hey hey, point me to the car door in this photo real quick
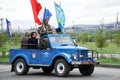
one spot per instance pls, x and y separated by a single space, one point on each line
45 57
34 56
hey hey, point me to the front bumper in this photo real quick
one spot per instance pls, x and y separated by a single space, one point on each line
81 59
83 63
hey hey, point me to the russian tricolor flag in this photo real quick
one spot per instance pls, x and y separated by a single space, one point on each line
39 13
36 7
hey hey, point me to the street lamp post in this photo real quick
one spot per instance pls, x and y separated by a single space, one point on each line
117 20
1 20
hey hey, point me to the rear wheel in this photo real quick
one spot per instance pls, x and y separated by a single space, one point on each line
86 70
20 67
62 68
47 69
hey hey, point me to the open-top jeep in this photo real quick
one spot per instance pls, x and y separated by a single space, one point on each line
62 57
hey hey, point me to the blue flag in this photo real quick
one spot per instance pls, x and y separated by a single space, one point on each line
8 30
60 16
47 14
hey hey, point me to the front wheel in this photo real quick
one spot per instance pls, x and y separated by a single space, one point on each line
86 70
62 68
20 67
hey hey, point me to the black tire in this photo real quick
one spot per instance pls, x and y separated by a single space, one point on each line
62 68
20 67
86 70
47 69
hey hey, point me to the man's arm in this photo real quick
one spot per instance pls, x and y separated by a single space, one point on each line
42 31
49 29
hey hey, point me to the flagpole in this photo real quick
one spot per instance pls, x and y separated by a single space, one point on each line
60 3
36 26
117 20
10 40
10 43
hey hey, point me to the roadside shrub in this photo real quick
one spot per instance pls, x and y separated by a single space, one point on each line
84 38
117 40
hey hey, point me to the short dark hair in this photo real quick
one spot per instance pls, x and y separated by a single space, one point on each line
32 33
27 34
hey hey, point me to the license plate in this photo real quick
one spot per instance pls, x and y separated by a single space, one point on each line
76 62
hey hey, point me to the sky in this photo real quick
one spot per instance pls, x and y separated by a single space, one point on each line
19 12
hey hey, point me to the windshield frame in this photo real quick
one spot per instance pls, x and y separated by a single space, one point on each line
61 41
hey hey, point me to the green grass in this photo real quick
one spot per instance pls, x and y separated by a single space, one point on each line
4 58
6 46
113 61
110 49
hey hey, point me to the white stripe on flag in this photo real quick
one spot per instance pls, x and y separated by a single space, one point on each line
41 14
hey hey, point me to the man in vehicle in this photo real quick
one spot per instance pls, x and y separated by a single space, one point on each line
33 41
24 41
45 28
44 43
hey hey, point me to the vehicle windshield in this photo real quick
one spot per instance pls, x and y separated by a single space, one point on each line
61 40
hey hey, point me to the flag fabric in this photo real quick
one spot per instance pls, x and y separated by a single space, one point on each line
60 16
9 29
47 14
36 7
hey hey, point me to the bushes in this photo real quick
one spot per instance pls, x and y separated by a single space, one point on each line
113 61
16 38
101 41
84 38
5 42
3 38
117 39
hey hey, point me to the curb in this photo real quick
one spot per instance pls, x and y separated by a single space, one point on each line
98 65
5 63
108 66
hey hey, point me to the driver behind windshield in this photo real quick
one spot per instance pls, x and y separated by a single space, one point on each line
44 43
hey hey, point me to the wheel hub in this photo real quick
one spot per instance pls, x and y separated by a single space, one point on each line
19 66
60 67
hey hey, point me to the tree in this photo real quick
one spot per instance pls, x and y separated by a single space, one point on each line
109 35
3 38
117 40
91 38
3 41
84 38
100 39
16 38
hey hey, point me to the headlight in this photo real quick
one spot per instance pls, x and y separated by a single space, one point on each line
80 56
95 59
74 56
89 54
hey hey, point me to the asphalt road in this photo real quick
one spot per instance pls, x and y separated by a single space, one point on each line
100 73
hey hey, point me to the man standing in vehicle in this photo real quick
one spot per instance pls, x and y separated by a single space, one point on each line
45 28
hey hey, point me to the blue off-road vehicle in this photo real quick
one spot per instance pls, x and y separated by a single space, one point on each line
62 57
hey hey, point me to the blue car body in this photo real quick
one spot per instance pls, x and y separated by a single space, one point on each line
36 57
61 46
